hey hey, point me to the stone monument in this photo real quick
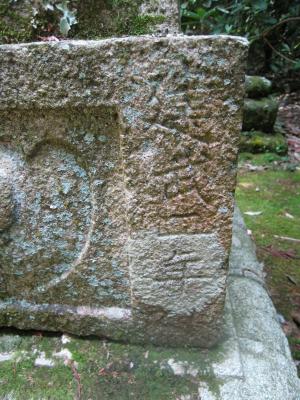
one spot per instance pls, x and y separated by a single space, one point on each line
117 176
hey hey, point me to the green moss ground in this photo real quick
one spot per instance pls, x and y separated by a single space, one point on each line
274 192
259 142
103 370
264 159
110 18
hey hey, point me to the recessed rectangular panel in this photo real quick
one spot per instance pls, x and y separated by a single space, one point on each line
67 223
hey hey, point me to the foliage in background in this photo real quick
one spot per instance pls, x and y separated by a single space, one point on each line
271 26
59 10
27 20
31 20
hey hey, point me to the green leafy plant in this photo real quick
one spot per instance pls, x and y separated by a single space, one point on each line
272 26
68 18
58 11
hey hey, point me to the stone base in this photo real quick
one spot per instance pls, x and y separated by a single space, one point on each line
116 197
258 363
252 363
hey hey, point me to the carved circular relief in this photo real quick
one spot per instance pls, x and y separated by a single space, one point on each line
53 220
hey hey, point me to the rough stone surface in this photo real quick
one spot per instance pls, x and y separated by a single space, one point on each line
6 204
122 175
252 362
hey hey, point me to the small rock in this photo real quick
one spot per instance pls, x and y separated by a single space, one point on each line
257 86
42 361
177 367
260 114
65 339
65 354
6 357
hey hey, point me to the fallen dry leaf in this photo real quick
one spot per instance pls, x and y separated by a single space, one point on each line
253 213
291 279
290 216
287 238
246 185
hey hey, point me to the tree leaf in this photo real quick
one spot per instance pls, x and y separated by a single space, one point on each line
223 10
201 12
296 66
191 15
207 4
64 26
260 5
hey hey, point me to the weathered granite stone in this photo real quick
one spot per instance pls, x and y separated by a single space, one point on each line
6 204
252 362
121 160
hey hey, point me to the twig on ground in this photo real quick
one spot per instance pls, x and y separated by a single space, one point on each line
77 378
287 238
291 279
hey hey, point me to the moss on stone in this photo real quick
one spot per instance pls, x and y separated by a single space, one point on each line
260 114
144 24
15 23
259 142
257 86
109 18
96 19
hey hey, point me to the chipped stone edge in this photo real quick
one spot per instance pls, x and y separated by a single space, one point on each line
64 44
